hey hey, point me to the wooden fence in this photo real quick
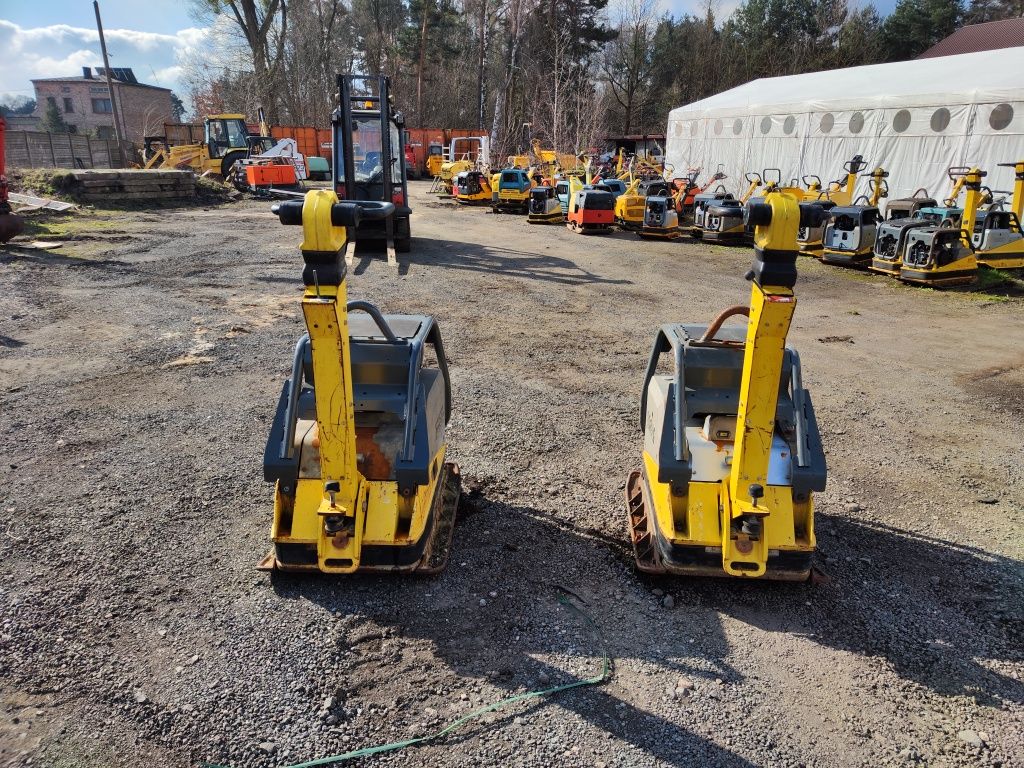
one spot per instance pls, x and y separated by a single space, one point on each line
37 149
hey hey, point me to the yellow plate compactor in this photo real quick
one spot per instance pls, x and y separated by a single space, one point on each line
731 450
357 448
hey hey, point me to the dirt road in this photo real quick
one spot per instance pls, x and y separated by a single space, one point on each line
139 369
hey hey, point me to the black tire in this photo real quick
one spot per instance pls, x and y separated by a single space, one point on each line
229 160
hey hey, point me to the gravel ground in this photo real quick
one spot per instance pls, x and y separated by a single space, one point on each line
139 369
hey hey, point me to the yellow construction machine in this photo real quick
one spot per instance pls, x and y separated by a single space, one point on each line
932 252
849 238
357 448
435 159
226 140
992 234
723 221
629 207
472 188
731 452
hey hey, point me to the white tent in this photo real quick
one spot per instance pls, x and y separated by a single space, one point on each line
914 118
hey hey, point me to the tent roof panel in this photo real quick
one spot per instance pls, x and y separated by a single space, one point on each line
967 78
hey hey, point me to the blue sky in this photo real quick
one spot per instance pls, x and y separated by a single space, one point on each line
54 38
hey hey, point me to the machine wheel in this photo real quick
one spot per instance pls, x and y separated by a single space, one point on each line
228 162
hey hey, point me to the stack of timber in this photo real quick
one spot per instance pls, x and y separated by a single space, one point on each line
130 186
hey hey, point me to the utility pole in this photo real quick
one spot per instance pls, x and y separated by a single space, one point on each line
118 134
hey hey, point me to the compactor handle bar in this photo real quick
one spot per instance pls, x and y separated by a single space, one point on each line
956 171
343 214
855 165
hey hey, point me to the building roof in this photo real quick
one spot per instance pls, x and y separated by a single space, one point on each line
119 75
990 36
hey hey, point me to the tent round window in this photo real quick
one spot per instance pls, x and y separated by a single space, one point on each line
718 127
737 127
766 124
1001 117
857 122
901 121
789 126
827 122
940 119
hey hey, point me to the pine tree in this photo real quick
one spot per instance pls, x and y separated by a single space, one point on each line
53 120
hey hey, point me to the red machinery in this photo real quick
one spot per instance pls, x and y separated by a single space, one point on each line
590 211
10 225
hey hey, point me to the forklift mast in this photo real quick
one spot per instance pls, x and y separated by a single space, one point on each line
364 109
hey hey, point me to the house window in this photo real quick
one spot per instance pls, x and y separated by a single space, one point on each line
51 100
102 106
68 108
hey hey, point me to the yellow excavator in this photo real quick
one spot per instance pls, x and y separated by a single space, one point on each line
731 448
226 140
357 448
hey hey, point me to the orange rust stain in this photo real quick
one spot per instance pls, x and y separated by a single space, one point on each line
374 464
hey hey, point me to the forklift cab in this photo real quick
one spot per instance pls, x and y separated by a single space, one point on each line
562 193
371 162
616 186
224 133
369 156
994 229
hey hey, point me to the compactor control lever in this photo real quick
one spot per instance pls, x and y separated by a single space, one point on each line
777 223
343 214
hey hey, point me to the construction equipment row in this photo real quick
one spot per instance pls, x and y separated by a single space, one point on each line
915 240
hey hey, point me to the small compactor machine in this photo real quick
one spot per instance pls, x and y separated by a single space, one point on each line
357 448
731 449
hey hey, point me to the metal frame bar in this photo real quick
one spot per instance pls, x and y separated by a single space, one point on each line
427 335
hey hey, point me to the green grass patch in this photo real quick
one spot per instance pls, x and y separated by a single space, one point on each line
998 284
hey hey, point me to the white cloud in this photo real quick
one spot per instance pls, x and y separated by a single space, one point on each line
62 50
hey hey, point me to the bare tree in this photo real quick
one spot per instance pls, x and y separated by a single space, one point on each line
629 61
263 24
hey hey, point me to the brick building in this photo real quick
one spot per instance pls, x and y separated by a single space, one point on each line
86 106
